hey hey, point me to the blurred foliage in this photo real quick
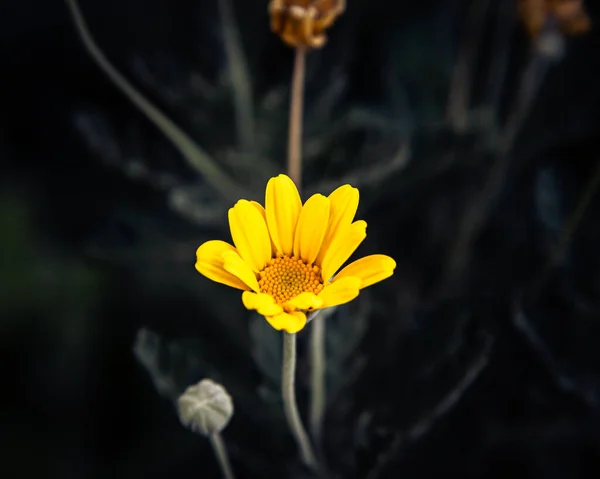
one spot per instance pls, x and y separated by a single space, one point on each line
35 279
404 149
48 310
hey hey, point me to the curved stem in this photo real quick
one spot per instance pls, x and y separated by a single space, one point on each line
221 452
288 373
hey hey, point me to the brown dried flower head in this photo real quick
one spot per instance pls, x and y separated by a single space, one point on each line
302 23
570 15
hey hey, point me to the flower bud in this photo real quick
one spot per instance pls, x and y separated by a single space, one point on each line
205 408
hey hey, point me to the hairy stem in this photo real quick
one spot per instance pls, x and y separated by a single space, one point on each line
288 373
317 377
221 452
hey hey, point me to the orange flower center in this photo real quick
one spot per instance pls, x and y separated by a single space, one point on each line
286 277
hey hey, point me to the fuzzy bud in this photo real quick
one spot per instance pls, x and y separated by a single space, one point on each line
205 408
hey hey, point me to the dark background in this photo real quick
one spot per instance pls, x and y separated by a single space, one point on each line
479 358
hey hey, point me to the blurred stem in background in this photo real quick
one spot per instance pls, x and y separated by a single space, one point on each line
198 159
457 114
240 79
568 232
294 167
547 47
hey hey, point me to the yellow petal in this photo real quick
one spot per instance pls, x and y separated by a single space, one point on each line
370 269
289 322
261 302
283 205
234 264
344 203
262 211
304 301
342 248
209 262
311 228
340 292
250 234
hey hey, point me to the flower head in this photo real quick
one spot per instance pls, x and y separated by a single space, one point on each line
302 23
287 255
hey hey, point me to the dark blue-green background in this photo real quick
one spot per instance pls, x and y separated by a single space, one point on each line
89 255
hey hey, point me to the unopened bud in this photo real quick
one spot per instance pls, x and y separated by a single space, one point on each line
205 408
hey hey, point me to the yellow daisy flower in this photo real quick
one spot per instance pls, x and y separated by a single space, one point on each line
287 254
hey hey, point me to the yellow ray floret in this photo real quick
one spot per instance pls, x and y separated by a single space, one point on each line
287 254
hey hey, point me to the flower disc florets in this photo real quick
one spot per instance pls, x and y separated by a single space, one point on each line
286 277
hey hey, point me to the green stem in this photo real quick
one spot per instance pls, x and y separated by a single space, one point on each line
290 407
221 452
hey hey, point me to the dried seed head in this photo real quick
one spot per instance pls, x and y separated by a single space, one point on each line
302 23
570 16
205 408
